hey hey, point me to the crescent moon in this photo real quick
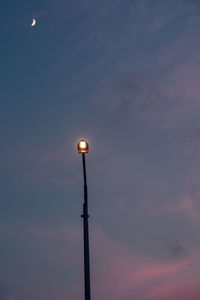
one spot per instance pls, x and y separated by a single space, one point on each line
33 23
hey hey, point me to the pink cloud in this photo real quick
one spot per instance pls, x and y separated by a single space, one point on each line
183 290
187 205
117 272
121 273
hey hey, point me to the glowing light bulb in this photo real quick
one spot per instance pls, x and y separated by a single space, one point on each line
83 146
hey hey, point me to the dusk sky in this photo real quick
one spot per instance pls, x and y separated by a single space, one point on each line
125 75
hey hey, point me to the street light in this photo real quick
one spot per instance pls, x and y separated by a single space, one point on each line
83 148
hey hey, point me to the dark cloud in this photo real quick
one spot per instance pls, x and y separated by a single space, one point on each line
196 135
138 95
177 249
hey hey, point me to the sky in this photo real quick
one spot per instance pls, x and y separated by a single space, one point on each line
125 75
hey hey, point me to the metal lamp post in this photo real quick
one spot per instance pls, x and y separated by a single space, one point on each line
83 148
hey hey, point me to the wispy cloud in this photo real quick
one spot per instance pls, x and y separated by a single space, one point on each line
187 206
128 274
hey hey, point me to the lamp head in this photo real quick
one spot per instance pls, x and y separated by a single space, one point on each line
83 146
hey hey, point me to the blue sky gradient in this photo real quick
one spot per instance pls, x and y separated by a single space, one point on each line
125 75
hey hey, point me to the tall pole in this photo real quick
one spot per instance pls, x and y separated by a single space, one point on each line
85 217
